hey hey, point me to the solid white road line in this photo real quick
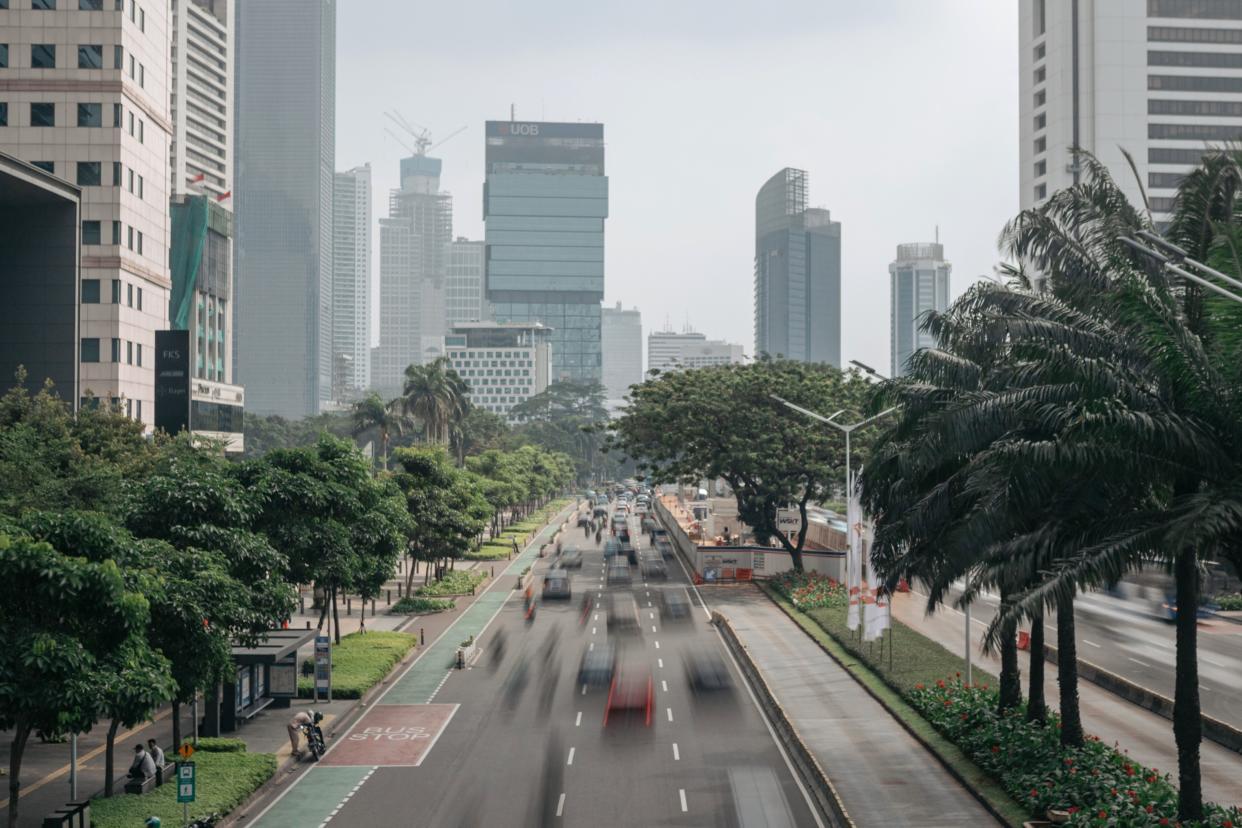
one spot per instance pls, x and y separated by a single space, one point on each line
1092 643
560 805
682 793
571 756
1140 663
676 753
578 721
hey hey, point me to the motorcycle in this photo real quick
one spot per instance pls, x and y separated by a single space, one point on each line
314 738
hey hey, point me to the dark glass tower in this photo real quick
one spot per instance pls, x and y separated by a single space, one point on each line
797 274
544 202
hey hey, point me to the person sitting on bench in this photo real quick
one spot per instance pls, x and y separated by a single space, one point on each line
157 753
143 767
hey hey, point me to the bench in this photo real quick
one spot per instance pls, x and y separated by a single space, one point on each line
141 786
254 708
73 815
165 773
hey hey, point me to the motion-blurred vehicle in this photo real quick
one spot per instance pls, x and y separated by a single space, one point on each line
556 585
758 800
707 673
653 569
627 548
600 512
598 665
618 573
570 559
630 696
674 605
621 615
612 548
584 519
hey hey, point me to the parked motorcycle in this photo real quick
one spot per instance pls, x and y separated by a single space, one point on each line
314 737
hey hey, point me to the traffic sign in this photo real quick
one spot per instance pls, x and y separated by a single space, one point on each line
185 781
186 750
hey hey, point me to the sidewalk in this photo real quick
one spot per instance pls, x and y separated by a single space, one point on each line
882 774
1146 736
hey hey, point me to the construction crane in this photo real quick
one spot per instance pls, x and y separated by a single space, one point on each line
420 134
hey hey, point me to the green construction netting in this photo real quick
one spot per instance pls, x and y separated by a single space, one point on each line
189 234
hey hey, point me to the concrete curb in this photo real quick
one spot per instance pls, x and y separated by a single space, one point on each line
823 792
948 766
1219 732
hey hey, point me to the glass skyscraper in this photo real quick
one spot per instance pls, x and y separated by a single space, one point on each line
544 202
920 280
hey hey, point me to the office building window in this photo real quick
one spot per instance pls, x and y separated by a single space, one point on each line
1041 17
131 123
89 174
129 352
1041 192
116 350
140 186
90 5
116 115
1041 121
1195 9
1041 97
1165 155
90 291
1040 51
129 292
1211 109
1164 181
142 76
1041 144
46 166
43 114
1041 73
116 239
1041 167
116 287
4 56
43 56
90 56
138 410
139 242
4 114
1176 34
116 173
131 179
90 115
142 20
129 239
133 10
141 131
90 350
118 57
43 5
140 295
90 232
138 355
1194 83
1162 205
1195 132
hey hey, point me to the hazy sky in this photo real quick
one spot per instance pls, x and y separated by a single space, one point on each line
903 112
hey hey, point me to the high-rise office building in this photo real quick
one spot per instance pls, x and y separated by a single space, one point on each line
621 340
286 146
201 159
86 98
1157 79
672 351
920 283
544 202
503 363
414 253
797 273
351 283
464 297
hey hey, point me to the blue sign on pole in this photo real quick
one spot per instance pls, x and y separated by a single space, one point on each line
185 781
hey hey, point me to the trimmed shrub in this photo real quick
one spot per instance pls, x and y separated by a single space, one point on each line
220 744
360 662
1229 603
410 605
454 582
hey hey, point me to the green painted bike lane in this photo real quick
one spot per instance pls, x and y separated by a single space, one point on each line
313 804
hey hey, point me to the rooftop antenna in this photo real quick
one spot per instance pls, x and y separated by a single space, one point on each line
937 234
512 112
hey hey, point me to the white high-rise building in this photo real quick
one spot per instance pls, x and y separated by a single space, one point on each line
503 363
351 283
621 344
920 283
464 296
202 98
86 98
1159 79
670 351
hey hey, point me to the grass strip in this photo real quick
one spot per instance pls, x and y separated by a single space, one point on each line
421 606
360 662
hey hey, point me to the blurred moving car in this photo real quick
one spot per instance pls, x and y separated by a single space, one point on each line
674 605
621 615
707 673
653 569
758 800
630 696
556 585
618 573
598 665
569 559
612 548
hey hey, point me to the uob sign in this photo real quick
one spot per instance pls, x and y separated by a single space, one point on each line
523 129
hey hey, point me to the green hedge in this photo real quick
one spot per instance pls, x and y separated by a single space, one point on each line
410 606
1229 603
490 552
223 781
454 582
220 744
360 662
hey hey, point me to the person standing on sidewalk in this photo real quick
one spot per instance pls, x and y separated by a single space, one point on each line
295 729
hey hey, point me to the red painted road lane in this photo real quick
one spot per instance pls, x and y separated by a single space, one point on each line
392 735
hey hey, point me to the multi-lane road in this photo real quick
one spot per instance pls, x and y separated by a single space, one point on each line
515 739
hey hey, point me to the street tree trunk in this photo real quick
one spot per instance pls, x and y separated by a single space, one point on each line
176 724
16 749
109 756
1187 715
1011 676
1067 675
1036 706
336 617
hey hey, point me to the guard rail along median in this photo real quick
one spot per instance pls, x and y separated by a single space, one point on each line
823 793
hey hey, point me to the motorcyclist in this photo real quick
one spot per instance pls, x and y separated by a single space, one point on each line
300 720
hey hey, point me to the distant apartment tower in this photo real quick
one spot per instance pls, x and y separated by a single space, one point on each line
85 97
286 146
920 283
414 253
464 299
797 273
1155 78
351 283
621 340
504 363
671 351
545 200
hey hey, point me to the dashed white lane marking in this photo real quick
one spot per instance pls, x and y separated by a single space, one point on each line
653 628
1092 643
650 615
669 711
593 630
676 753
584 689
348 796
657 645
660 662
560 805
570 761
649 604
682 793
595 617
578 721
432 697
1140 663
664 685
592 647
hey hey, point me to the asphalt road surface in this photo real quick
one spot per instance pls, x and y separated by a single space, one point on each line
516 740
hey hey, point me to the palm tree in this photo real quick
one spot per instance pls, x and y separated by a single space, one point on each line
437 396
372 413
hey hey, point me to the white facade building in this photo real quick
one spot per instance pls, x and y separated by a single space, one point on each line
202 98
1159 79
464 294
504 363
85 97
351 283
670 351
621 344
920 283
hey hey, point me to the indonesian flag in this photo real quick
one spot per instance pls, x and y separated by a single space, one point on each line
225 195
199 179
853 558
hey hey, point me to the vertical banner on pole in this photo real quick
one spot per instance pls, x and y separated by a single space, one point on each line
876 609
853 558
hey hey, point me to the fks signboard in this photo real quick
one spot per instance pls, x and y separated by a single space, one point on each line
172 381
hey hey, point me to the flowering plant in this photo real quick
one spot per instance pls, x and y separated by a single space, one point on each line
810 590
